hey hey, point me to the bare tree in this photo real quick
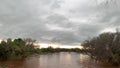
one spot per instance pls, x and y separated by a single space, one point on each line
105 47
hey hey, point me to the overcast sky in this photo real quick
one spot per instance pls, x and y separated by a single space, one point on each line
62 21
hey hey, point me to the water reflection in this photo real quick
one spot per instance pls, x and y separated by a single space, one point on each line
56 60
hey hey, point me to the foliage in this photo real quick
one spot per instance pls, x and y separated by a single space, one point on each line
21 48
16 48
53 50
105 47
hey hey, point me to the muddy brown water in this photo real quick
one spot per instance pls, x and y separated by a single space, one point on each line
56 60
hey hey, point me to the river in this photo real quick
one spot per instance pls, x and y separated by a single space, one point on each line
56 60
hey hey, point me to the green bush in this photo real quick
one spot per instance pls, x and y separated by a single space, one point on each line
16 48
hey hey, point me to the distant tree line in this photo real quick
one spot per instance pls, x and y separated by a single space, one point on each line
21 48
105 47
52 50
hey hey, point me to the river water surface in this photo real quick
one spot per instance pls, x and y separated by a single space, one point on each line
56 60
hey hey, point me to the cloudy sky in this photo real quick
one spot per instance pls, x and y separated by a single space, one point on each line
62 21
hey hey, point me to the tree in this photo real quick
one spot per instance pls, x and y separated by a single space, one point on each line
104 48
29 41
17 47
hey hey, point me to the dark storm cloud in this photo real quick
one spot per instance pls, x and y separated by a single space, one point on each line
61 21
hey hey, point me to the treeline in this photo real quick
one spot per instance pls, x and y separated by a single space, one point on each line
16 48
21 48
52 50
105 47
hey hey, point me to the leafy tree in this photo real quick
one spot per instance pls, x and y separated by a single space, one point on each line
17 47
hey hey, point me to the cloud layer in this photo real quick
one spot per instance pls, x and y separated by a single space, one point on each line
61 21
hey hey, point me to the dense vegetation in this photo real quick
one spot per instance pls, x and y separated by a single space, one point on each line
16 48
105 47
21 48
52 50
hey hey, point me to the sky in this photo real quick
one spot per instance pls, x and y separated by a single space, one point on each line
61 21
